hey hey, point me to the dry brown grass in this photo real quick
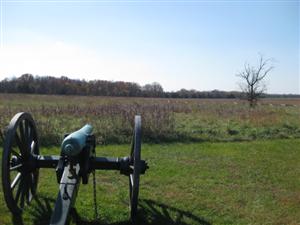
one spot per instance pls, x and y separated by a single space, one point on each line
163 119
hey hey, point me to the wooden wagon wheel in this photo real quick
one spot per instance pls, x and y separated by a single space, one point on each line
19 174
135 164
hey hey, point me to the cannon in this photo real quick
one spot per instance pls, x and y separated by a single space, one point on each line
21 161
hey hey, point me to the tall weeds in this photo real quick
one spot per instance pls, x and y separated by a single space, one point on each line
162 119
112 123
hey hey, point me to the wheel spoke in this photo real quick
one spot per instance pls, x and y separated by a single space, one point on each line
15 167
130 190
131 179
22 133
32 147
26 137
16 153
23 193
132 145
19 190
30 131
29 198
20 145
30 141
32 188
15 181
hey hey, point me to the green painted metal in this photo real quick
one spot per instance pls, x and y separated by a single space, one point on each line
73 144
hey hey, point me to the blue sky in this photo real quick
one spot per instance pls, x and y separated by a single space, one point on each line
180 44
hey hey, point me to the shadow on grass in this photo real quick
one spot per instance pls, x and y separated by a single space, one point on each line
40 211
149 213
17 220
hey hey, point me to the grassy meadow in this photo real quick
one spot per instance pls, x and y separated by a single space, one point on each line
163 120
197 183
212 161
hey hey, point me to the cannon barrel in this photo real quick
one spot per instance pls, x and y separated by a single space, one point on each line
73 144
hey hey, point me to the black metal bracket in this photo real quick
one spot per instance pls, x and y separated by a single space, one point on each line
60 168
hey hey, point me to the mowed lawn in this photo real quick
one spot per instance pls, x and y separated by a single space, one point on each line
254 182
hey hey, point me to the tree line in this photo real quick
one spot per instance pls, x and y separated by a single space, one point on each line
29 84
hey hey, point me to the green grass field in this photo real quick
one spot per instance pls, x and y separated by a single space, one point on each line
212 161
254 182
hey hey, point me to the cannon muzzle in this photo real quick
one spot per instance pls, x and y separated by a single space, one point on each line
73 144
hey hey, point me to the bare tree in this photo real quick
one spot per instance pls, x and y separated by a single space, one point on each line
253 84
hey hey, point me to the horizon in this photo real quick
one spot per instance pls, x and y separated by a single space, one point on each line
141 86
197 45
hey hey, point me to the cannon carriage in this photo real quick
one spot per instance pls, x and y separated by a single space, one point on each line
21 161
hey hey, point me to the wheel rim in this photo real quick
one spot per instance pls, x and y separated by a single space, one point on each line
135 159
19 175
